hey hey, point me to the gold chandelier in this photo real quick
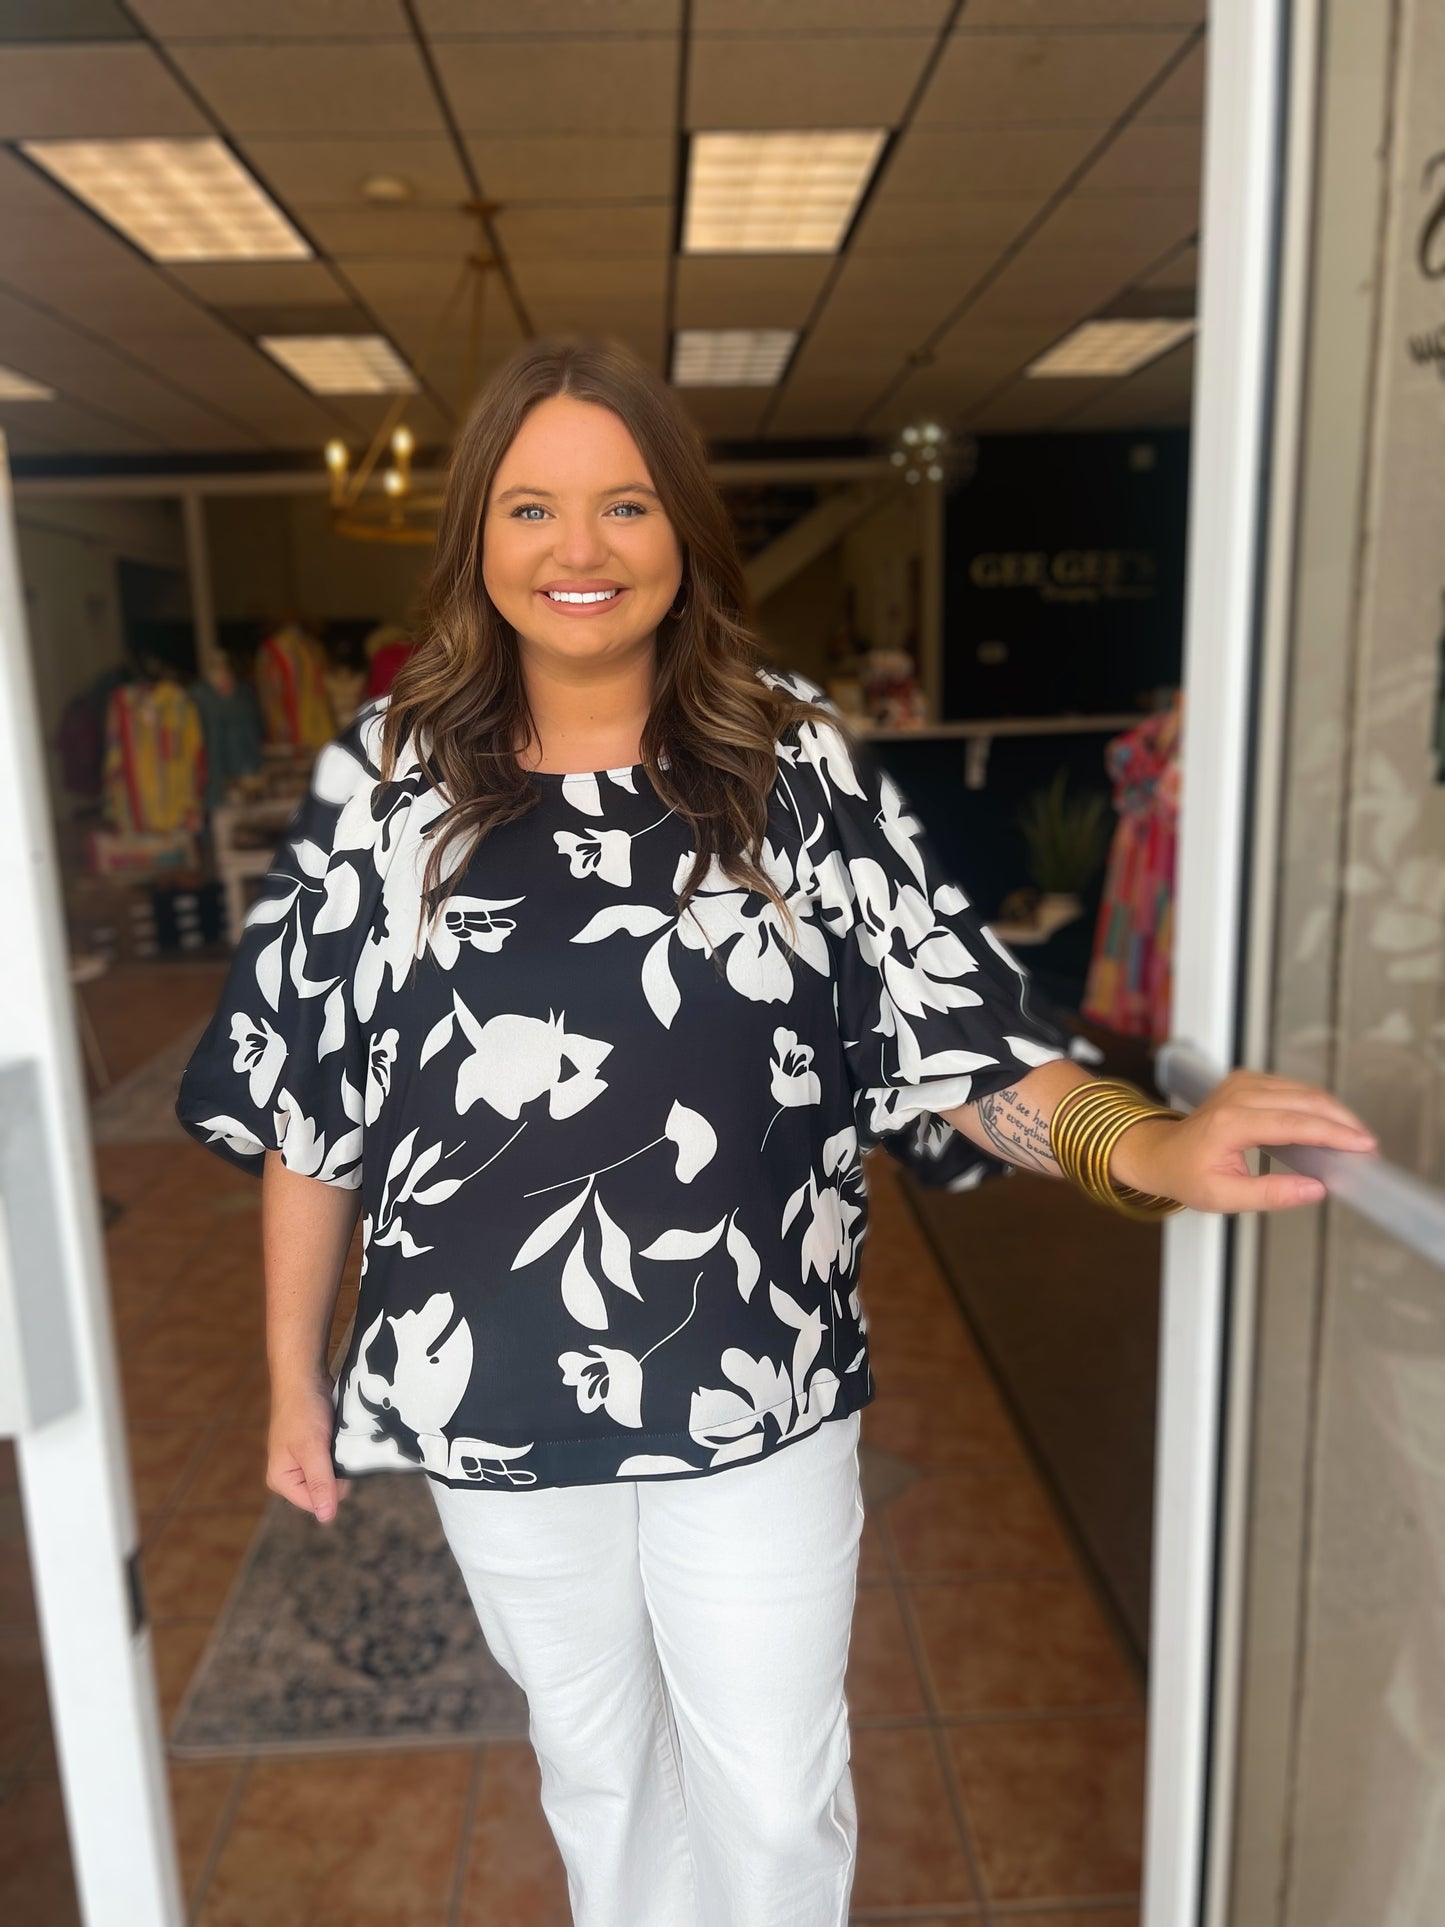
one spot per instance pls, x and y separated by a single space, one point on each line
367 506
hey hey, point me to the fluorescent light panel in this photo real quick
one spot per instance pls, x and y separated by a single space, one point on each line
178 200
342 364
15 387
1110 348
730 357
776 192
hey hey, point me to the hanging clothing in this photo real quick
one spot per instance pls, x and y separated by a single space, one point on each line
231 724
80 737
291 684
155 758
386 666
609 1157
1129 986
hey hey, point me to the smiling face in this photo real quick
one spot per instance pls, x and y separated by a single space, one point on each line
577 553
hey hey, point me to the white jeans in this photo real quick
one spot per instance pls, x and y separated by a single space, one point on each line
682 1647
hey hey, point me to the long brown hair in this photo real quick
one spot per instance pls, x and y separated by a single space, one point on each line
462 695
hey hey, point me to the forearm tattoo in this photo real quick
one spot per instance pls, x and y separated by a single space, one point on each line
1017 1131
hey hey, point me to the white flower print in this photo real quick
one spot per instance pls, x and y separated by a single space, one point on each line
303 1144
380 1059
472 923
732 1424
603 853
516 1059
794 1081
260 1053
606 1377
432 1348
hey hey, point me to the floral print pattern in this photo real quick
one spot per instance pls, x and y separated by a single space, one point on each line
610 1156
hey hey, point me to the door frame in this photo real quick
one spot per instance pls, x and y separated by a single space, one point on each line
1207 1259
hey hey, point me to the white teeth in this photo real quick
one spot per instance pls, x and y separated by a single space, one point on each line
589 595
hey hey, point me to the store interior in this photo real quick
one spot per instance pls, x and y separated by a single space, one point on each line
979 554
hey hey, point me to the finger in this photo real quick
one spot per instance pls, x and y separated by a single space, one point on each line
1258 1129
1277 1191
1279 1094
321 1487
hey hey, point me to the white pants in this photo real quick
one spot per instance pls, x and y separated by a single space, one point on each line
682 1647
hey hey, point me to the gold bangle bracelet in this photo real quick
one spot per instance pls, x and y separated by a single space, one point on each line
1087 1123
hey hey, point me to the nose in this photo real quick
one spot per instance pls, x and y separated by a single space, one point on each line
581 544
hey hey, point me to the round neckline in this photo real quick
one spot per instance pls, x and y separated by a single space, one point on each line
577 775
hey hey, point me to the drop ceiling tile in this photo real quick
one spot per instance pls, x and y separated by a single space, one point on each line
442 233
1181 270
566 86
1163 157
473 19
1161 394
748 291
726 414
958 224
75 430
1137 228
1182 95
230 284
852 80
898 299
330 173
1030 407
572 168
607 278
412 282
271 19
795 16
314 87
535 233
995 162
65 20
830 411
1018 80
93 93
1018 15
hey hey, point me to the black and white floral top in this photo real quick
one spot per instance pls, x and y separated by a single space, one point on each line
609 1158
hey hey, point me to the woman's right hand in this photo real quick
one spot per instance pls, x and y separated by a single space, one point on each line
298 1448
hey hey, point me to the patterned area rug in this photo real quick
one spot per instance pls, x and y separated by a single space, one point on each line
355 1636
362 1635
140 1108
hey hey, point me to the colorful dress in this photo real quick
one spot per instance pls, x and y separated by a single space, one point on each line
291 685
155 759
609 1157
1130 976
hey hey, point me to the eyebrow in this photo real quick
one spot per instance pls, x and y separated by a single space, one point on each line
623 488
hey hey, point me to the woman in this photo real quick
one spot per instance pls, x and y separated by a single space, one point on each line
591 1003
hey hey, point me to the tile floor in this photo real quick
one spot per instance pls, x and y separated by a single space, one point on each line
998 1730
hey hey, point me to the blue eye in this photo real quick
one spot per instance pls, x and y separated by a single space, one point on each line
525 509
630 505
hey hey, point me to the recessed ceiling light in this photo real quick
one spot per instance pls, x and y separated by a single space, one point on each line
776 193
1103 348
178 200
730 357
387 190
342 364
15 387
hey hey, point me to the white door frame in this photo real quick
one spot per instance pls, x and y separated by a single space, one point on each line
71 1447
1229 467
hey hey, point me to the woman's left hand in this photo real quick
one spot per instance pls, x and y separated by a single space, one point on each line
1201 1160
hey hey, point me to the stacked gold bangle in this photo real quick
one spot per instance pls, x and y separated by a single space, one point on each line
1087 1123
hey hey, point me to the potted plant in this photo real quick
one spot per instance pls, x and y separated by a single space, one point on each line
1067 839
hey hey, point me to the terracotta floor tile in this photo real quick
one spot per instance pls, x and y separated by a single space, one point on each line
36 1883
1011 1645
935 1422
158 1392
882 1680
909 1853
231 1471
361 1840
514 1873
979 1518
159 1458
1092 1917
17 1596
23 1702
176 1647
1056 1807
190 1567
199 1792
872 1560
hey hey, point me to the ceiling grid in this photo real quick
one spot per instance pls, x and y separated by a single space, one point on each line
1042 163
